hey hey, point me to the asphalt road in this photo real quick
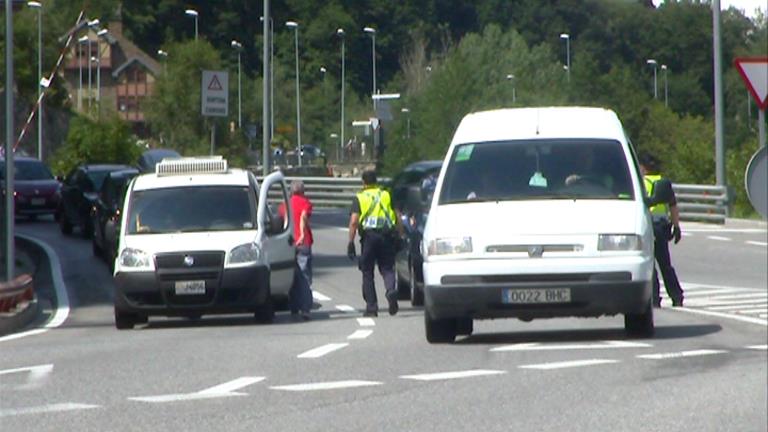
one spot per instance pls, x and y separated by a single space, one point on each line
704 371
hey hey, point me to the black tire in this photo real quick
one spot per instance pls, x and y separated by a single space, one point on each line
403 288
417 295
265 313
640 325
439 330
125 320
64 224
464 326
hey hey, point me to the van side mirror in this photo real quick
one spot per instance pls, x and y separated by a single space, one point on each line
413 201
662 193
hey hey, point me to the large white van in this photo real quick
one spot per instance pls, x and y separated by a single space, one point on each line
538 213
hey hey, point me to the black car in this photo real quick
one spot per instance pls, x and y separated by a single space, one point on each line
418 178
79 194
35 189
106 214
150 158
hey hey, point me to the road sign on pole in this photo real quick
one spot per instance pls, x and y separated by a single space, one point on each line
214 96
754 71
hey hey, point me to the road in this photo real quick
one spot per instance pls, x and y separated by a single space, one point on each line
705 370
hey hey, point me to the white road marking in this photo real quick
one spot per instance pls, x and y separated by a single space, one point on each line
568 364
360 334
323 350
366 322
758 347
222 390
345 308
536 346
727 230
334 385
35 377
681 354
736 305
452 375
62 299
751 320
61 407
718 238
757 243
751 310
739 296
692 285
320 296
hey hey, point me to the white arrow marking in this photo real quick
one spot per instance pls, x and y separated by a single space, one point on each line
36 375
46 409
452 375
681 354
327 385
360 334
568 364
535 346
323 350
222 390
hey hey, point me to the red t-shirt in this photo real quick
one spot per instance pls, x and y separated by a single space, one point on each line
300 204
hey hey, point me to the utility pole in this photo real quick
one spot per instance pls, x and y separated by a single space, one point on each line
718 73
265 111
10 259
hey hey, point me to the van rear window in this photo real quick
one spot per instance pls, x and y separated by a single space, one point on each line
537 169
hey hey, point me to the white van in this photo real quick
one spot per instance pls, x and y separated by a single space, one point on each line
538 213
198 237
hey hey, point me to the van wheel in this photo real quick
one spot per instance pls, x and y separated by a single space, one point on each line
464 326
439 330
640 325
124 320
417 295
265 313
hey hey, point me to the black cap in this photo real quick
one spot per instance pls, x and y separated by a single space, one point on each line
369 177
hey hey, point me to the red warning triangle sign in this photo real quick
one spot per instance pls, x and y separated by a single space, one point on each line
754 71
215 84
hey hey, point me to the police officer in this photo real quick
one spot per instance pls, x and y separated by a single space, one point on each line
666 226
372 214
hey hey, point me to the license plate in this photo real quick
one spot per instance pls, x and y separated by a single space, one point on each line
37 201
533 296
190 287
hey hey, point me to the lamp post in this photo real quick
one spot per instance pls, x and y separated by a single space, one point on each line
193 13
39 7
340 33
407 112
333 137
239 47
100 34
80 43
91 24
653 64
666 92
164 55
266 111
511 78
371 31
295 26
567 38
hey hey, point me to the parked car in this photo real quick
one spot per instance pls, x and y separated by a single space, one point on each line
150 158
419 177
106 214
35 189
79 194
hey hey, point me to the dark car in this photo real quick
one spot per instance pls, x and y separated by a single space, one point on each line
418 178
35 189
150 158
106 214
79 194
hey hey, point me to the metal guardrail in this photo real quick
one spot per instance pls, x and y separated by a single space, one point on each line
16 291
695 202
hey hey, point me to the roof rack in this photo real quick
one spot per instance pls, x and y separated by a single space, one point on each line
191 165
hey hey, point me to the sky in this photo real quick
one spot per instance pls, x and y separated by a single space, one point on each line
748 6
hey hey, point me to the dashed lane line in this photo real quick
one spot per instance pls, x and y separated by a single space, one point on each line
320 296
366 322
681 354
567 364
52 408
332 385
758 347
740 306
760 321
360 334
322 350
345 308
35 375
535 346
227 389
718 238
756 243
453 375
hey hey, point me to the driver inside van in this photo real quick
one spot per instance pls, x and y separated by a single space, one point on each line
587 170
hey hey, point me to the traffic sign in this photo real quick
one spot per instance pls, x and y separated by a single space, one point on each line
215 93
754 71
756 181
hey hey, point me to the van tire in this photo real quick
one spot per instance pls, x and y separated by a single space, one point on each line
439 330
124 320
464 326
417 295
640 325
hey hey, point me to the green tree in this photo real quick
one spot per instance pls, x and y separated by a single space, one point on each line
88 141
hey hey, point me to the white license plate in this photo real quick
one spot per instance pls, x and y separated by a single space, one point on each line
37 201
533 296
190 287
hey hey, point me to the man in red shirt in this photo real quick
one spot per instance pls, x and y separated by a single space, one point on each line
301 210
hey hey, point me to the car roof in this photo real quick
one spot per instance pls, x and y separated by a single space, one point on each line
233 177
124 172
425 165
105 167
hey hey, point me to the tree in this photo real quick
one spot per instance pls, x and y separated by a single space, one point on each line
88 141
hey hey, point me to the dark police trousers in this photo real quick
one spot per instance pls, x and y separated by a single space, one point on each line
377 247
661 231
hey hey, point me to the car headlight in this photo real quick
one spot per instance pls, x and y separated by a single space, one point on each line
450 245
619 242
247 253
135 259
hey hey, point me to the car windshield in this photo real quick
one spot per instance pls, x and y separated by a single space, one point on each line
177 210
97 178
28 170
537 169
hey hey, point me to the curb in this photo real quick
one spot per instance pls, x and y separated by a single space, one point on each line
18 320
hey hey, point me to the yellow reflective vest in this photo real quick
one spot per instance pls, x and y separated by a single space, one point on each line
659 210
375 209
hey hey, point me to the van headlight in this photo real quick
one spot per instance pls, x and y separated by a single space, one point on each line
248 253
450 245
619 242
134 259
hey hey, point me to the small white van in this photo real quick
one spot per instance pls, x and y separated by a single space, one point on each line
538 213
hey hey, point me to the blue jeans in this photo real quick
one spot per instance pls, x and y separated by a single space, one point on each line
301 290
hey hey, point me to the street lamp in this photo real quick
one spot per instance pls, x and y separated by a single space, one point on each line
100 34
295 26
39 7
371 31
653 63
340 34
407 112
511 78
271 75
567 38
91 25
239 47
164 55
666 92
333 137
193 13
80 43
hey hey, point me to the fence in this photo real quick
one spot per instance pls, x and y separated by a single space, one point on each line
16 291
695 202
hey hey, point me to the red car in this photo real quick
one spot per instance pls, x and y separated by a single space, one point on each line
35 189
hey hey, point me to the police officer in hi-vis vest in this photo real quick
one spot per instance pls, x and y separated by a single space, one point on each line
372 214
666 226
